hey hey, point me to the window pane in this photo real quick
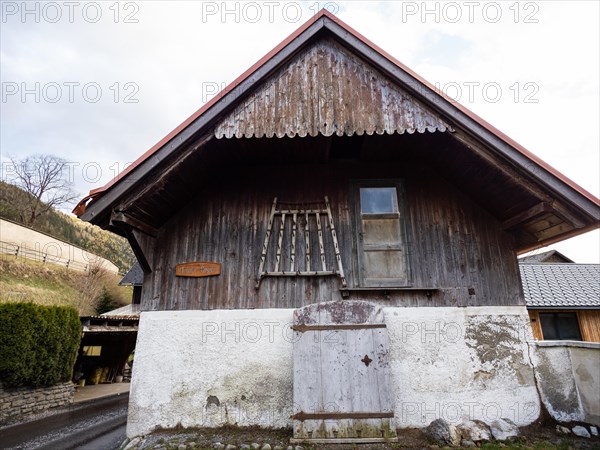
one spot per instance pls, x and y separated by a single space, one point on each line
560 326
549 329
378 200
568 327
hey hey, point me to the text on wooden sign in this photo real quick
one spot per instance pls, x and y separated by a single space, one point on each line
198 269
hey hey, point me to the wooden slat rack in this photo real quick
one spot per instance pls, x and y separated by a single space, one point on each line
298 230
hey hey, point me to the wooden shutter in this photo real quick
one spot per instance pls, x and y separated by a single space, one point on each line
382 258
341 374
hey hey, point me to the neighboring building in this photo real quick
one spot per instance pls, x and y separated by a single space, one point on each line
563 300
333 240
135 279
109 339
551 256
106 344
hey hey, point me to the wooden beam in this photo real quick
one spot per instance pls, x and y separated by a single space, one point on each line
141 237
302 416
143 248
565 215
122 217
553 231
525 216
360 326
552 240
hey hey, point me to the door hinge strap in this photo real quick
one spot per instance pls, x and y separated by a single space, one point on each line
302 416
360 326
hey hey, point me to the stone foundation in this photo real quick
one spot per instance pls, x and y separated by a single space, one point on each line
18 403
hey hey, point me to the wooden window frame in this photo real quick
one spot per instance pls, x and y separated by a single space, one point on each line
355 186
556 324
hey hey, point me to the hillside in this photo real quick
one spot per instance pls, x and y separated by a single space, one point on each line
69 229
90 293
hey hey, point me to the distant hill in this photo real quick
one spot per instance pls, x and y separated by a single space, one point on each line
24 280
69 229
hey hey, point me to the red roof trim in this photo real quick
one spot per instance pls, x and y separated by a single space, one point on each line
284 43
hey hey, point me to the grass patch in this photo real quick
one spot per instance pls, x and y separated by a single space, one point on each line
28 281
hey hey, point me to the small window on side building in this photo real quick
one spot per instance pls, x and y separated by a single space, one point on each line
560 326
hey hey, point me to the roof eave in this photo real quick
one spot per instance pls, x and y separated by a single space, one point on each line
561 307
502 146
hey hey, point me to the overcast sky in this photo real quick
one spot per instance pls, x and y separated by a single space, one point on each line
98 83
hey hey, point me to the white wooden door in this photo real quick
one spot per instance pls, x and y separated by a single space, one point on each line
341 374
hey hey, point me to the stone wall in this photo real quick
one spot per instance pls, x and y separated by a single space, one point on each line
18 403
235 367
568 374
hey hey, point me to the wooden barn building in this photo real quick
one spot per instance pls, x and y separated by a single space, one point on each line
330 245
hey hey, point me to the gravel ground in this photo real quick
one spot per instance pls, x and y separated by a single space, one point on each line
534 437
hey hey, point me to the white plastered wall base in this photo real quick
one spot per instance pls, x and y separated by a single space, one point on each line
211 368
461 363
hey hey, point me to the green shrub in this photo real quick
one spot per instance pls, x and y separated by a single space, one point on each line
105 302
38 344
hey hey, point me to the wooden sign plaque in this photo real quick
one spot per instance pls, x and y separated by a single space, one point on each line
198 269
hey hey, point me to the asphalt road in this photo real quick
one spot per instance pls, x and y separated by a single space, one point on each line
93 425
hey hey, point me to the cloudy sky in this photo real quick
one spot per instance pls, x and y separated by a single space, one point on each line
98 83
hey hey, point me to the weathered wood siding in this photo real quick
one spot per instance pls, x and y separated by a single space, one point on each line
453 245
589 324
536 325
327 90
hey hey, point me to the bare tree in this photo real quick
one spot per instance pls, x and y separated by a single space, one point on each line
45 179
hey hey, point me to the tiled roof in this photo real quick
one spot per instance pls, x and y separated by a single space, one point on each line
547 257
135 276
561 285
127 310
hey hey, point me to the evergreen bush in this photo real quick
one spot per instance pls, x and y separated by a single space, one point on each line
38 344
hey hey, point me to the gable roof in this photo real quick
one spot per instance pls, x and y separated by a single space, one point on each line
551 256
567 208
563 286
135 276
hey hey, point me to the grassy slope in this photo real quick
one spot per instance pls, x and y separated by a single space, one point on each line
47 284
69 229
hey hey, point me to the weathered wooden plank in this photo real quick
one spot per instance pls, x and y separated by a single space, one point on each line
279 243
382 369
293 250
351 406
307 349
589 322
536 325
337 326
531 213
452 244
341 415
321 246
307 242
